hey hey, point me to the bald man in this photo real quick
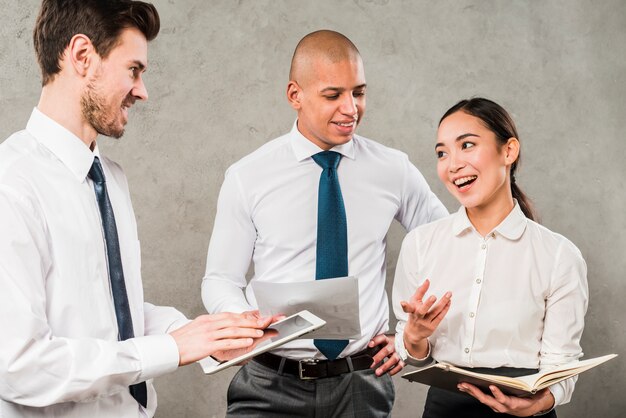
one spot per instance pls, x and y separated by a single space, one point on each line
268 212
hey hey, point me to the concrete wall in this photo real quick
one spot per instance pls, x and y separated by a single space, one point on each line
217 79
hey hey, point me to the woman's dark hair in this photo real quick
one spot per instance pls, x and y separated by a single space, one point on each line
498 121
100 20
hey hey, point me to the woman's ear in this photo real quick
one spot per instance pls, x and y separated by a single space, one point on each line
511 151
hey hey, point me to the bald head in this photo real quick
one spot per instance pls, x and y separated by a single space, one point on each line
323 45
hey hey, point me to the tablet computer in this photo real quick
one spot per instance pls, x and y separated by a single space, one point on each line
290 328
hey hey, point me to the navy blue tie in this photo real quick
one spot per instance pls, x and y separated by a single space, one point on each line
332 236
116 274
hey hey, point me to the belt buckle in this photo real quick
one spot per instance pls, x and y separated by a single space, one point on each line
302 368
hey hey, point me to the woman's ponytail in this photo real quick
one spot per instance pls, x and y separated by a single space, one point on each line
523 201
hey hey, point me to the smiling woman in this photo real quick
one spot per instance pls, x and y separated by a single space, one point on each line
520 291
487 123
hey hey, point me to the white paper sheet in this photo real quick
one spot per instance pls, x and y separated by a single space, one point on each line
336 301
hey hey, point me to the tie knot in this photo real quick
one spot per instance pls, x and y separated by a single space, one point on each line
95 172
327 159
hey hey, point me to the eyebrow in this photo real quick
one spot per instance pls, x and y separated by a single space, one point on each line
341 89
458 138
139 64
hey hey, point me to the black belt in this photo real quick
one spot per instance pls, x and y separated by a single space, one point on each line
316 369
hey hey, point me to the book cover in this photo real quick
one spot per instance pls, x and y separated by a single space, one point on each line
448 376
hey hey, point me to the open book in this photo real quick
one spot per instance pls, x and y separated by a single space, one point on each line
447 376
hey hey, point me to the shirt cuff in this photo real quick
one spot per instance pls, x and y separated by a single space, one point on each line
407 357
558 393
208 364
158 355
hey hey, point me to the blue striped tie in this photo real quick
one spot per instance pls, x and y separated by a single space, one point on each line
116 274
332 236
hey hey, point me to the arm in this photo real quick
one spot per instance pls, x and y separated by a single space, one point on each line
66 368
417 318
419 205
230 251
566 306
162 319
73 368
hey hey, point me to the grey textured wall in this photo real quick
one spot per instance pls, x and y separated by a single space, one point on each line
217 79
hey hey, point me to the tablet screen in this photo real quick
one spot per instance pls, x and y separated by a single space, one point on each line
286 330
286 327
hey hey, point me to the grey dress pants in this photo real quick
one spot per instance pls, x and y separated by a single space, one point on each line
258 391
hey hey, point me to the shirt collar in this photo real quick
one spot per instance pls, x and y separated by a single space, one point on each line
304 148
512 227
66 146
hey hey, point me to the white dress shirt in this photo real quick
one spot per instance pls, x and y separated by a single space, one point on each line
60 356
519 294
267 212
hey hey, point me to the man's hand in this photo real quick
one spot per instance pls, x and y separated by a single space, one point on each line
393 364
226 355
225 335
423 319
512 405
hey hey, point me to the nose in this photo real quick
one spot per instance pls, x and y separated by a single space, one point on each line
348 105
455 163
139 89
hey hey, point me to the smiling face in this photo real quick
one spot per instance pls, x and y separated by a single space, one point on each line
330 100
116 84
472 165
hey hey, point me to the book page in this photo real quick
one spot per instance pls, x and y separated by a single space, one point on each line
566 371
515 382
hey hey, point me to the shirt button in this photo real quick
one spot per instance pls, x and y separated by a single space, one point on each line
466 350
478 280
483 246
493 235
471 314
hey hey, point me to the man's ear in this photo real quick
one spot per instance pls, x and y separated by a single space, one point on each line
294 95
80 54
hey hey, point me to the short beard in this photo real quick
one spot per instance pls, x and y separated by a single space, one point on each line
92 105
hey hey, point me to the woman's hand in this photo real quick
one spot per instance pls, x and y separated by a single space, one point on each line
512 405
423 319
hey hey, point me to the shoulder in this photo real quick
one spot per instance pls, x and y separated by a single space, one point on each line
552 242
261 156
15 152
395 164
383 152
21 162
434 230
17 171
